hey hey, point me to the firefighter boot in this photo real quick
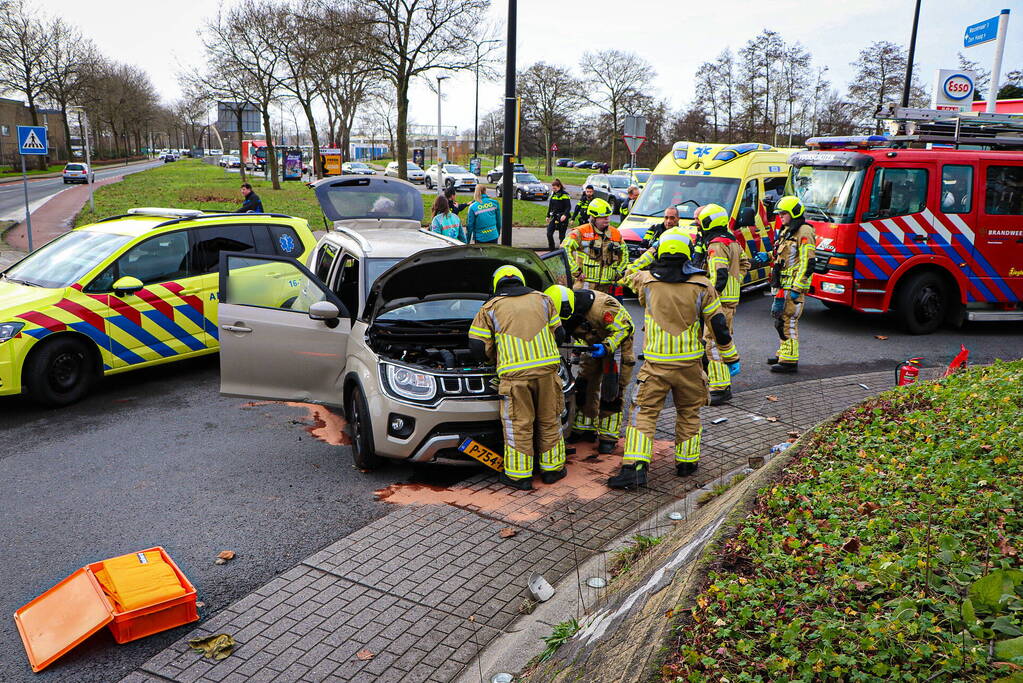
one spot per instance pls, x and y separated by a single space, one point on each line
773 360
684 469
577 436
551 476
630 477
606 447
785 367
524 484
722 396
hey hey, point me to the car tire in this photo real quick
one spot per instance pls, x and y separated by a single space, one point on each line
360 430
428 183
518 194
922 303
449 182
60 372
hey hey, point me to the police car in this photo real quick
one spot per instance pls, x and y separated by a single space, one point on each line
127 292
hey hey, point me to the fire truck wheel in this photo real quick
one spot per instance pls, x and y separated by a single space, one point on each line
922 302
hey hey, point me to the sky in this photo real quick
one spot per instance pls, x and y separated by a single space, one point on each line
675 36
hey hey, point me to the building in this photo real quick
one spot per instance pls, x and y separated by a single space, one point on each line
14 113
1001 106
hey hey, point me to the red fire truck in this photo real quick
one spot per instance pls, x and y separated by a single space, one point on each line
934 234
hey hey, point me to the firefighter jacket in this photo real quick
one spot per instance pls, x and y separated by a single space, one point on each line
727 264
652 233
676 313
559 205
607 322
518 330
581 207
596 258
794 257
644 260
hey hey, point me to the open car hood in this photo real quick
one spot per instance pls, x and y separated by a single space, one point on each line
442 273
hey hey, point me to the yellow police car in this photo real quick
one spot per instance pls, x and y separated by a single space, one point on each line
127 292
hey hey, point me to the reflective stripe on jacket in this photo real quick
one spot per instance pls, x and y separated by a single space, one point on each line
518 331
484 221
601 258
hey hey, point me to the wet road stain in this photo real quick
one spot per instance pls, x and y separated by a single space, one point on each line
326 426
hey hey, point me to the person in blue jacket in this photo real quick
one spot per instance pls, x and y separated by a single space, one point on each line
483 224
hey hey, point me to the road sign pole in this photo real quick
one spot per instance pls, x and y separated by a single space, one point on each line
996 66
90 175
28 216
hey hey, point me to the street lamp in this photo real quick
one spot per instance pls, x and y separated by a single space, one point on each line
440 163
476 119
84 130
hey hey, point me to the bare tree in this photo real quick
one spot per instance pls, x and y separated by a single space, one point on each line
615 78
223 83
981 76
23 41
880 74
67 59
795 77
550 96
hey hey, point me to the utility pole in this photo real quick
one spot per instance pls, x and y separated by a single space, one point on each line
440 161
476 117
912 54
509 127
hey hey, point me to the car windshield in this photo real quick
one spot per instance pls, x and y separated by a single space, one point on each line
375 267
353 197
686 192
443 309
65 260
412 167
454 168
828 193
526 178
619 182
641 176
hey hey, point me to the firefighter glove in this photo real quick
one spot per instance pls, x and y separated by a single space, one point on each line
733 368
794 295
760 258
599 351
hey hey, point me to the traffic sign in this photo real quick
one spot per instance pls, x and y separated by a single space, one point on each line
32 140
633 143
554 147
981 32
635 127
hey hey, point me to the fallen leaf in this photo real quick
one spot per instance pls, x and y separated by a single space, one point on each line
772 398
507 532
224 556
861 585
365 655
772 419
986 448
1006 549
200 603
794 433
867 508
852 545
880 336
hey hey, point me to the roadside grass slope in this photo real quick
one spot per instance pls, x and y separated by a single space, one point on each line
888 551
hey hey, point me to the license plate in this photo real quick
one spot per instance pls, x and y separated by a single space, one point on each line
480 452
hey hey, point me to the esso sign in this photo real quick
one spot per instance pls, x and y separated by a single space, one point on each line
958 87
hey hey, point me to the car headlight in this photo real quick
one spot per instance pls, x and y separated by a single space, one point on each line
409 383
8 330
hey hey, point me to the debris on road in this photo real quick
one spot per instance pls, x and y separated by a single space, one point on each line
880 336
771 397
365 655
224 556
507 532
219 646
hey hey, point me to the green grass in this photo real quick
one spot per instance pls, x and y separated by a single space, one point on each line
8 171
623 560
889 549
558 637
193 184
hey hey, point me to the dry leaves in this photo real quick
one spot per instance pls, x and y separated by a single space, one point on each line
507 532
880 336
772 419
224 556
852 545
771 397
867 508
365 655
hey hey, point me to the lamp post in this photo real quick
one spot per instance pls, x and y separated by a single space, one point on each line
509 126
907 84
84 130
440 162
476 118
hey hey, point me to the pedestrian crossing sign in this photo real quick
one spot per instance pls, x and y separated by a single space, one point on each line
32 140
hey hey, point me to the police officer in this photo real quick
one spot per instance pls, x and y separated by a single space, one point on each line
727 265
558 210
631 195
519 328
679 301
791 274
600 322
579 213
596 250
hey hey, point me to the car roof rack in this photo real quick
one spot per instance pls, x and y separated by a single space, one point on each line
360 239
913 125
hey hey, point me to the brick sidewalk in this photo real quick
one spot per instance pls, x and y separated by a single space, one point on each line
404 587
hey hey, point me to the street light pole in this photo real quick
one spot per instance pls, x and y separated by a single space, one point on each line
912 54
440 162
476 119
509 127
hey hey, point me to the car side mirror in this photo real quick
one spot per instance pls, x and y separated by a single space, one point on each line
325 311
747 217
127 285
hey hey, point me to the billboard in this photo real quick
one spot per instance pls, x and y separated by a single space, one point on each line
227 117
953 90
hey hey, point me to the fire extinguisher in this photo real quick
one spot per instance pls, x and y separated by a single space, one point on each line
908 372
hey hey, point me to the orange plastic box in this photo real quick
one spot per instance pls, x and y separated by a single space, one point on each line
74 609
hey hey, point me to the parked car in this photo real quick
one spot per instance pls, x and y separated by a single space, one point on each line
527 186
170 156
563 161
214 152
613 188
230 161
584 164
496 174
78 173
387 306
452 175
637 176
414 172
356 168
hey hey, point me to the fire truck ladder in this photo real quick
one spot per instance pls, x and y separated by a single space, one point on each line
995 131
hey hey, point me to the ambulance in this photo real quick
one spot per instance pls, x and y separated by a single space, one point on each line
746 179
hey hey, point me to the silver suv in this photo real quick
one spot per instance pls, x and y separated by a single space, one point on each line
379 327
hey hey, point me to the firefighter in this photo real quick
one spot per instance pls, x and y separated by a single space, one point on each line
520 329
600 322
579 213
596 250
679 302
790 276
727 265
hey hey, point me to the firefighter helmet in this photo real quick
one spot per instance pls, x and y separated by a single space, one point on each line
508 271
712 216
564 300
674 243
791 205
599 208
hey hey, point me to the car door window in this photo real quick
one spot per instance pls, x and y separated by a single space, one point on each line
324 260
897 192
158 259
207 243
1003 194
285 241
956 188
281 285
774 189
346 282
749 196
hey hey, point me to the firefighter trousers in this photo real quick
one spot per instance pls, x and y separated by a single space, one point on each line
687 383
717 372
787 325
598 405
531 420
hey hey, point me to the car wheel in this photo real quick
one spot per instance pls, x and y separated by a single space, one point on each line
518 194
922 303
360 429
429 183
60 373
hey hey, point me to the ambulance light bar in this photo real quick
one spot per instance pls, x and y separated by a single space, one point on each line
161 212
847 141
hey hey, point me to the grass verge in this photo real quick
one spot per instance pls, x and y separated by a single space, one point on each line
623 560
192 184
889 549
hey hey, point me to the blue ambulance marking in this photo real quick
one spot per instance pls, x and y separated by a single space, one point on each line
147 339
106 342
176 330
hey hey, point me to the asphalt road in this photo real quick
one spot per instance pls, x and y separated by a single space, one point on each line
157 457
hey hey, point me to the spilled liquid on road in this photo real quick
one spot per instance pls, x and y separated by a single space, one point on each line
326 426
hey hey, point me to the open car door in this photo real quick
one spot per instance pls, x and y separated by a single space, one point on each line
283 333
558 266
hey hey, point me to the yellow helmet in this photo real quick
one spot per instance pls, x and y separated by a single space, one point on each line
674 243
713 216
598 208
564 300
791 205
508 271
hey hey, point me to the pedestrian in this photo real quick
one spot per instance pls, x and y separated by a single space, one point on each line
727 265
454 204
790 276
444 221
679 302
601 323
558 210
579 213
252 203
519 330
596 251
483 221
632 194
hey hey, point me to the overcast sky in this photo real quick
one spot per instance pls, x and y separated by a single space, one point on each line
675 36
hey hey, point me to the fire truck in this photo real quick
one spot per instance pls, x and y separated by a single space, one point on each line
254 154
926 222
